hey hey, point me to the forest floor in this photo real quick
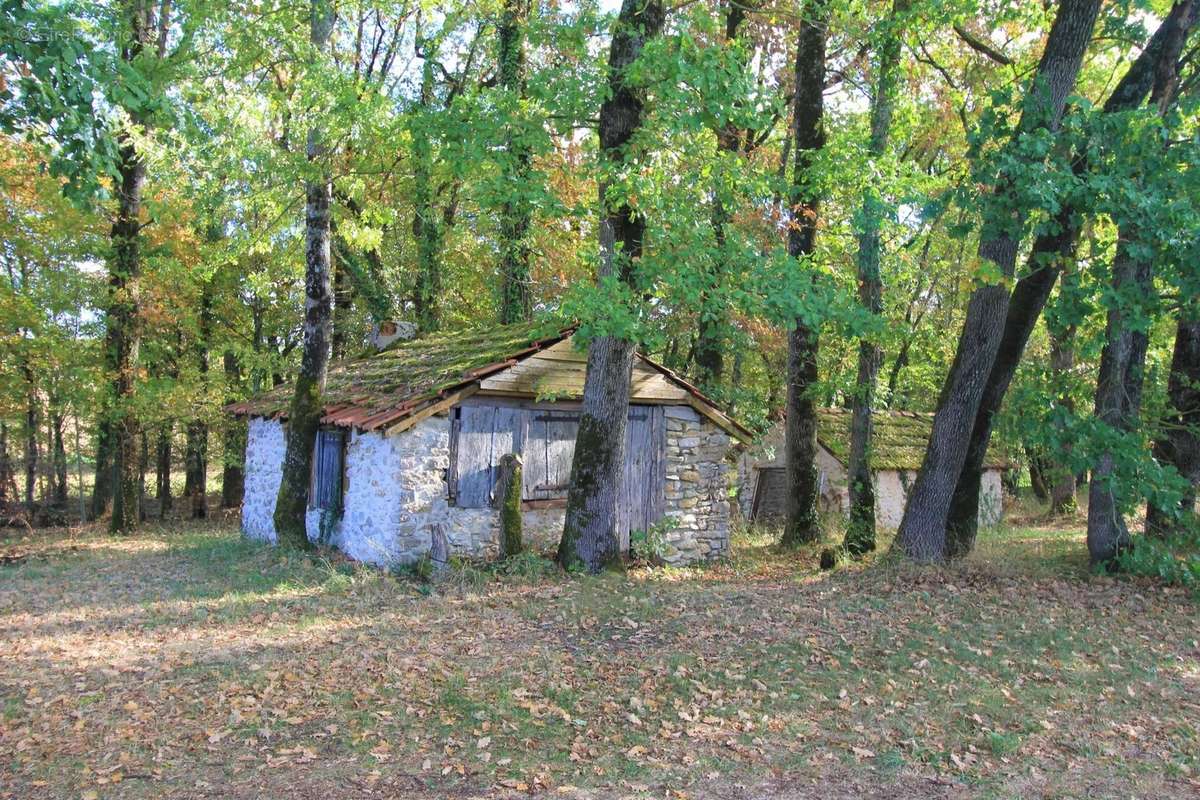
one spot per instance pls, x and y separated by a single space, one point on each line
186 662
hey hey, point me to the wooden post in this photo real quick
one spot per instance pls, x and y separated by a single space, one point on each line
439 549
507 498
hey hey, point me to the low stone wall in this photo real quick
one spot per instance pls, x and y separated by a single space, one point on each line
395 491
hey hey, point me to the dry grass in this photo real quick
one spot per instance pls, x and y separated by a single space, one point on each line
187 662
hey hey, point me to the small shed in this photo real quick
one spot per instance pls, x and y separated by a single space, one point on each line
899 442
412 437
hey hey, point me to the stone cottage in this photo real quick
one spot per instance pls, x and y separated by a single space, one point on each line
899 441
412 437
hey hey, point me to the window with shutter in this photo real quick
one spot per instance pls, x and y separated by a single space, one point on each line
545 438
328 460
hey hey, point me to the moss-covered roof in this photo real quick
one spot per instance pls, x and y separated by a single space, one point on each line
899 438
432 373
375 391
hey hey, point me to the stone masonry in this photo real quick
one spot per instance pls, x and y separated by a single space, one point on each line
395 491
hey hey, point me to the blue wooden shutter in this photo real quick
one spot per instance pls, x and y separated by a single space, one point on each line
327 478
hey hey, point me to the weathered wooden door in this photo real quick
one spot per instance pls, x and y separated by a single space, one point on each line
642 498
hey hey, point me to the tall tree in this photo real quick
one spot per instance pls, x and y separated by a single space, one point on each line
860 533
808 137
589 537
516 213
304 414
143 37
1126 339
922 534
1179 443
1052 249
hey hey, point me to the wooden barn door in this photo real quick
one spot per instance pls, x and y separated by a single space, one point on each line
642 500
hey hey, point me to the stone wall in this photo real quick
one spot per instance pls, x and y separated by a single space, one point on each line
265 446
395 491
697 491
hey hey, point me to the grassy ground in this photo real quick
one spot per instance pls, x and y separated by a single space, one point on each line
187 662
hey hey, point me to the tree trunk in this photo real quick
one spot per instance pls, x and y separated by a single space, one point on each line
860 533
923 534
32 451
8 483
123 316
102 484
304 415
1051 251
1123 360
196 476
1118 397
589 537
516 299
1037 474
426 228
143 466
195 487
233 475
343 296
58 490
1179 443
1062 477
808 135
162 469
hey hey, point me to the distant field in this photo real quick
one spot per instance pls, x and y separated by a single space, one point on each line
189 663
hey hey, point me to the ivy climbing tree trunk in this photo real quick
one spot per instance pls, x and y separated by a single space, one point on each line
304 414
1052 250
922 534
808 137
124 325
589 537
1179 443
516 213
860 533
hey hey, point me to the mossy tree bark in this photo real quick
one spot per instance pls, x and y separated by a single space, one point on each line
808 136
516 213
1052 251
923 534
304 415
508 500
860 533
589 537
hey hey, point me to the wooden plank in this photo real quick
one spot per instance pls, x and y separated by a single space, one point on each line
561 430
435 407
474 477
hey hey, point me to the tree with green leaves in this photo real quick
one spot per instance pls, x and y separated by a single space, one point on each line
589 537
304 414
